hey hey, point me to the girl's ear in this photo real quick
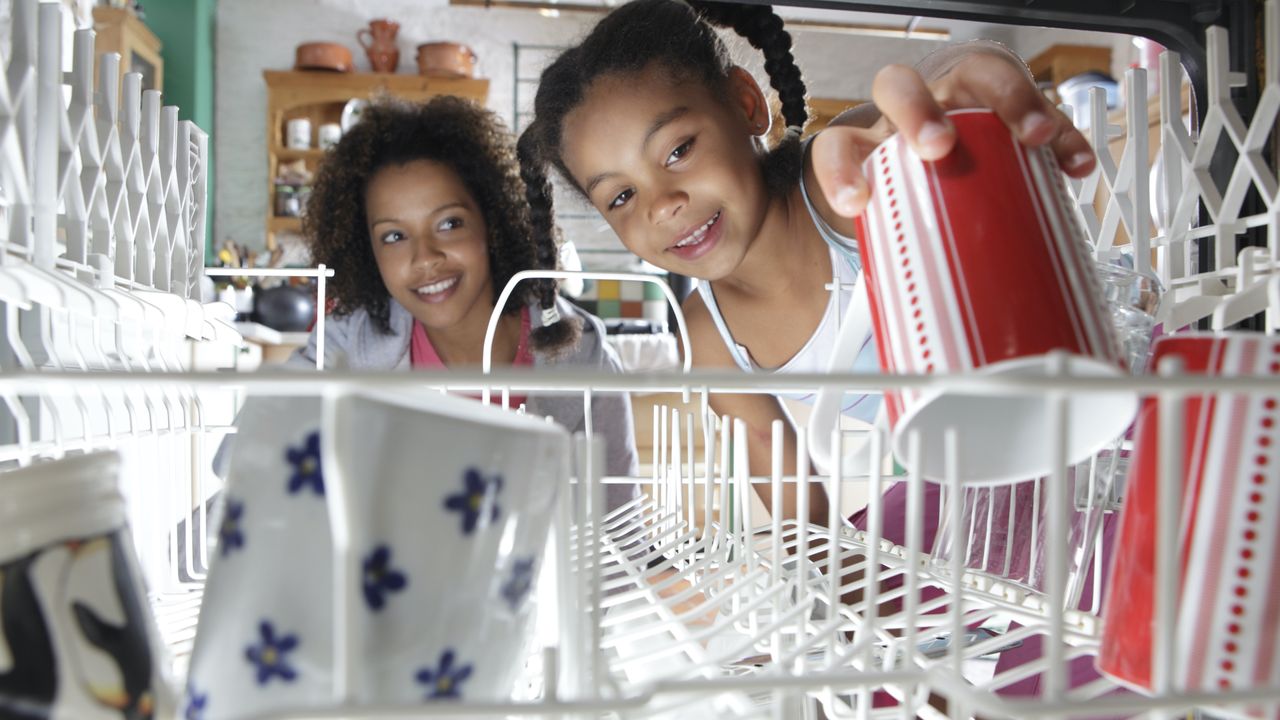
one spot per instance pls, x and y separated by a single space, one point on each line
749 100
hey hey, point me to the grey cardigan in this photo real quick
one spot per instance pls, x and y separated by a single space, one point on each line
355 342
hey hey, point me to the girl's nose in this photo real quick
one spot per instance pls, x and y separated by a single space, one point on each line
667 206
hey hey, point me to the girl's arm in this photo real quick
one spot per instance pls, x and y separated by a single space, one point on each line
758 411
913 101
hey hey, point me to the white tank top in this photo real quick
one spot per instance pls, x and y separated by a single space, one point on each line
815 355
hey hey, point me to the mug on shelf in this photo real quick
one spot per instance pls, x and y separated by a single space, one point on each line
328 135
298 134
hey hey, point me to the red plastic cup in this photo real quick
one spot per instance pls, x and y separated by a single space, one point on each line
1228 621
976 263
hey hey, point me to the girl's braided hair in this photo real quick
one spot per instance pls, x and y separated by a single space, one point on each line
458 134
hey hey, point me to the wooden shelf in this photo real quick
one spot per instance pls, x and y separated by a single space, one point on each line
351 85
320 97
120 31
288 154
276 223
1062 62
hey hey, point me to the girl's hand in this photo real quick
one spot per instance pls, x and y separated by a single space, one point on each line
916 108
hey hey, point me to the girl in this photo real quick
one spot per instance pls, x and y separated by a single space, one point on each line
652 123
420 209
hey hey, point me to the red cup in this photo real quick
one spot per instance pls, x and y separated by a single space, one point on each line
1228 618
976 263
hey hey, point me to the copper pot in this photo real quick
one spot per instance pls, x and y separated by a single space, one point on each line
446 59
323 56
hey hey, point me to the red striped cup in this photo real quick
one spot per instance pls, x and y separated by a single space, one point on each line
1228 621
975 263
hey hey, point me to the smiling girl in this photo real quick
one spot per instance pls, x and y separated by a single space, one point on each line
650 121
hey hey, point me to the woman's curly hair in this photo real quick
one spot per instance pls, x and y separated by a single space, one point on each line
454 132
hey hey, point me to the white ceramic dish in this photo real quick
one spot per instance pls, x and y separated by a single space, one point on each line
351 113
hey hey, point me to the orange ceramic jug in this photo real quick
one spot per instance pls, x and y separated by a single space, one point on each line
379 43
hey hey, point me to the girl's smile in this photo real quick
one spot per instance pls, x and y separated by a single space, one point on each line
699 241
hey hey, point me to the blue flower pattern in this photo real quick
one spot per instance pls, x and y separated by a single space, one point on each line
471 501
519 583
307 470
270 656
380 579
230 533
196 703
444 682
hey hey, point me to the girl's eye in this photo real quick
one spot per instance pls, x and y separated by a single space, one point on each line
452 223
392 236
621 199
679 153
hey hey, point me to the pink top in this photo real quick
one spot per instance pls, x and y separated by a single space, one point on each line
423 355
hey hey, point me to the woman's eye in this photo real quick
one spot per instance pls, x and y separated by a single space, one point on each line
680 151
452 223
621 199
392 236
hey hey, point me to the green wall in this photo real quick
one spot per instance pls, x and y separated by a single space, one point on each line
185 28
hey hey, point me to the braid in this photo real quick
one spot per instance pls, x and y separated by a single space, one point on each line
560 333
761 26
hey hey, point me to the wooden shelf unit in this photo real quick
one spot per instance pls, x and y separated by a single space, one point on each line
119 30
284 223
320 97
1062 62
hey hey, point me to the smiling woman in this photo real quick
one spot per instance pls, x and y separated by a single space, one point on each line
419 209
369 195
430 243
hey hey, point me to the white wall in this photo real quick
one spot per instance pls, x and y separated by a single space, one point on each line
1031 41
253 35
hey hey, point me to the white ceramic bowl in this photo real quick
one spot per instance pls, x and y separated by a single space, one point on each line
448 504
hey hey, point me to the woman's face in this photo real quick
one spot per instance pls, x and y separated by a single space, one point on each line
672 166
431 244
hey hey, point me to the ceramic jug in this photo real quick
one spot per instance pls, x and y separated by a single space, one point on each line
379 43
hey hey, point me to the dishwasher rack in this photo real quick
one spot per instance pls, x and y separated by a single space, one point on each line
684 603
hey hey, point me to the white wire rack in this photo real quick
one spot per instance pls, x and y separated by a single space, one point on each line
684 603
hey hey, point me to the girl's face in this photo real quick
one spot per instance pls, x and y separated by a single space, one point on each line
672 167
430 242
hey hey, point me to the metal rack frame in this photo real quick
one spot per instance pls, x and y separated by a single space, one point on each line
1177 24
